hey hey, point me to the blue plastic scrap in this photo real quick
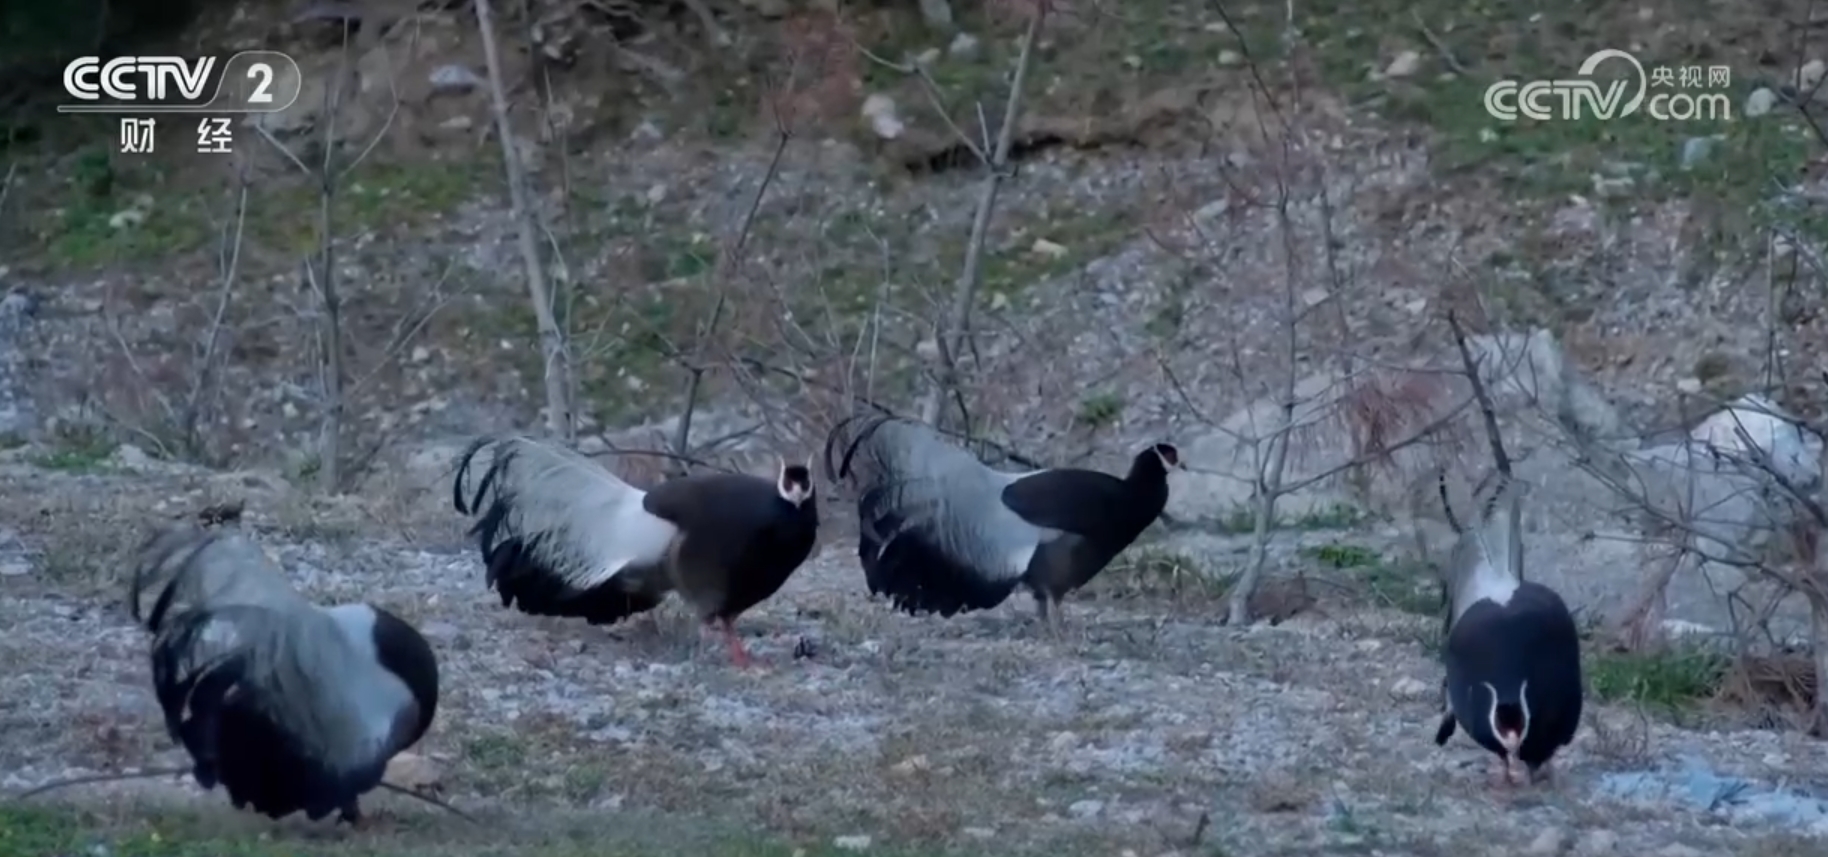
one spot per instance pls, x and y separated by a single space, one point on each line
1699 786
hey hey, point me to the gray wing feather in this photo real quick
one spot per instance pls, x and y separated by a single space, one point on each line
586 524
911 476
225 612
185 566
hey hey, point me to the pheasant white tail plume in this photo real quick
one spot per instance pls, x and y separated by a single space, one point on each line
1488 561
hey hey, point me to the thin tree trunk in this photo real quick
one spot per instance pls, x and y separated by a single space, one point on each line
951 336
330 425
554 352
1269 490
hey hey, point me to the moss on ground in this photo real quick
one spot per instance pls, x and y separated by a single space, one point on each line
1725 167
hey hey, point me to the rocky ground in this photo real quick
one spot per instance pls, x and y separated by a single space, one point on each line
1148 729
1164 217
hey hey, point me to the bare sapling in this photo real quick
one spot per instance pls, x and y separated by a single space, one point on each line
555 353
953 329
321 277
1297 414
176 433
1740 490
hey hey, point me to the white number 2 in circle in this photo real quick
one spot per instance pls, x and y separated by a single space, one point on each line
265 73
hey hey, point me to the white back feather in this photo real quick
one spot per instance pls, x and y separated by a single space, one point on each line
1487 562
583 522
946 497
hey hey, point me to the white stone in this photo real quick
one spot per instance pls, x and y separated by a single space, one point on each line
1759 102
1405 64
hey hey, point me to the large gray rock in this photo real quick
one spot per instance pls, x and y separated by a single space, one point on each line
1583 536
1540 396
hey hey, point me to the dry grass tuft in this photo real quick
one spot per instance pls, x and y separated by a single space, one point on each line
1279 793
1778 688
1619 737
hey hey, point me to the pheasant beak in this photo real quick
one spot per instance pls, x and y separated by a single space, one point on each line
1510 741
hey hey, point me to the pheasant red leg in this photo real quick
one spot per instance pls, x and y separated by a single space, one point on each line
738 654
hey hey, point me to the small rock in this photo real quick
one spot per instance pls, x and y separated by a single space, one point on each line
1211 211
1694 151
927 349
964 46
1313 296
1085 808
442 632
656 194
647 131
458 123
130 456
1759 102
14 568
927 58
851 843
1677 849
1810 74
882 113
1415 307
1597 842
1410 688
1613 186
1690 386
414 772
421 354
455 78
1405 64
125 218
979 832
1230 57
1549 842
17 304
1044 247
911 764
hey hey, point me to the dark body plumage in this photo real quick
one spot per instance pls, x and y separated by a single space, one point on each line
291 707
1531 639
940 532
1512 653
561 536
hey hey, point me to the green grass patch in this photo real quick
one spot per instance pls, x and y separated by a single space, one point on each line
1243 519
110 209
1727 166
1151 572
1395 585
1671 681
77 449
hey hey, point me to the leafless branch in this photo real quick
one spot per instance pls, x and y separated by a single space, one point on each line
554 350
951 335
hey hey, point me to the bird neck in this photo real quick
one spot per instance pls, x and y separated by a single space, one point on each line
1146 470
404 652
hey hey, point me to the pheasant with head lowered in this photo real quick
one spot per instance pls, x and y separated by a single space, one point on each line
1512 649
288 705
561 536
